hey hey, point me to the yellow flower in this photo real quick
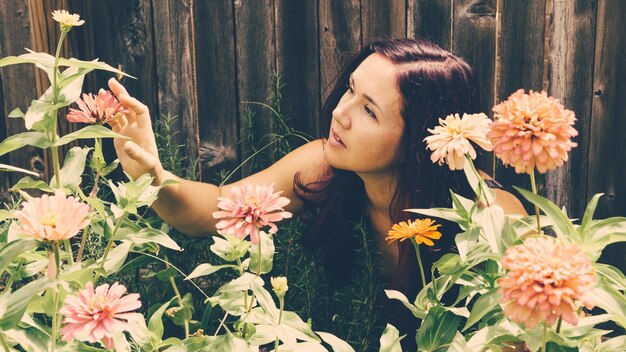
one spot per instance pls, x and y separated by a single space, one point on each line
424 231
67 20
279 285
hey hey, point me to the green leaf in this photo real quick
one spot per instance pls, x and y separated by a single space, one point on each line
588 217
18 301
16 141
95 64
208 269
509 236
116 257
92 131
397 295
612 276
229 248
267 254
612 301
16 113
147 235
601 231
265 300
465 240
11 168
12 249
73 168
563 226
614 344
337 344
438 329
155 324
442 213
29 183
390 340
6 214
483 305
477 183
292 320
492 221
44 61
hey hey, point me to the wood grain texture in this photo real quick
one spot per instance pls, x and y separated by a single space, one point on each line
297 55
218 103
521 66
570 78
430 20
256 64
340 38
607 163
175 71
18 89
383 19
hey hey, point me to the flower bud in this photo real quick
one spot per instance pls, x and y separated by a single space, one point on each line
279 285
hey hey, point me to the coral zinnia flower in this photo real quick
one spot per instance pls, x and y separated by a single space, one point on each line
544 280
103 108
424 231
532 131
66 19
95 315
249 209
450 141
51 218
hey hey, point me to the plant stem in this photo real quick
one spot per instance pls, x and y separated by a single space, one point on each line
545 334
68 249
534 189
221 324
4 343
55 100
481 191
258 270
419 261
57 260
83 240
179 298
8 285
110 244
558 325
281 301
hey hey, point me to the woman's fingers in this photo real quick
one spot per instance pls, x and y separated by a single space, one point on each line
147 160
139 112
116 87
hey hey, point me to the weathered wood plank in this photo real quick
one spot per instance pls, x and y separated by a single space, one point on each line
125 42
256 63
521 65
474 39
570 77
607 163
218 110
18 88
383 19
297 54
175 68
430 20
340 38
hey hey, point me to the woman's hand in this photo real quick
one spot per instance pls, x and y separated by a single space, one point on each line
139 155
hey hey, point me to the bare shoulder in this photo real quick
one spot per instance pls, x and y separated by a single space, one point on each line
507 201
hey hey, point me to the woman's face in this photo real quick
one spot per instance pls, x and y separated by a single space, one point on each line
366 125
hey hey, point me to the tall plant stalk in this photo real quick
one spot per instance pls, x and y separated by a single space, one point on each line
534 189
55 100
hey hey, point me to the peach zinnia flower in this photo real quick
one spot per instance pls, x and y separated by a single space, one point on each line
544 279
249 209
102 108
66 19
450 141
532 131
51 218
424 231
95 315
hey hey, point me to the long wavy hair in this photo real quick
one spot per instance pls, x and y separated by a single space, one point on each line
432 83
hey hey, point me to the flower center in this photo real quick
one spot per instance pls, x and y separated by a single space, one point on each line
50 219
252 200
455 127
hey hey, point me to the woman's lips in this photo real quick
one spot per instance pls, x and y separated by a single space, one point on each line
335 140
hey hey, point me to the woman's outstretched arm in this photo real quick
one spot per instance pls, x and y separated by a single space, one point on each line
188 205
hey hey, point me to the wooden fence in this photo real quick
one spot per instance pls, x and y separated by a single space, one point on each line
204 60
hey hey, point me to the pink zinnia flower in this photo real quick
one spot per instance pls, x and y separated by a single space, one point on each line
51 218
249 209
96 315
532 131
544 279
101 108
450 141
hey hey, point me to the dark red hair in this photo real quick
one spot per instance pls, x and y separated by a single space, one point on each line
432 83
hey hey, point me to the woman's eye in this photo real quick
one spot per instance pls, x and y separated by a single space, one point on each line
370 112
349 89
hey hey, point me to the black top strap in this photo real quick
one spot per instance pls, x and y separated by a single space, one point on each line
494 184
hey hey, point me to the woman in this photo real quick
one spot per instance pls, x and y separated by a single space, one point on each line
372 160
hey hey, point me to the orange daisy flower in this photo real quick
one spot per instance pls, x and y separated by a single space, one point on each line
424 231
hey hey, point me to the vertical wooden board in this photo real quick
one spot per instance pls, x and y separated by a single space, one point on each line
340 38
570 76
430 20
383 19
297 56
217 87
175 71
18 88
521 65
473 39
120 33
256 63
607 163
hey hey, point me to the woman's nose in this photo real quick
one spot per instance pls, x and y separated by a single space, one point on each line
340 114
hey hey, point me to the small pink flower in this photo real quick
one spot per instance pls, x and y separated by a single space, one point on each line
249 209
51 218
96 315
450 141
101 108
545 278
532 131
